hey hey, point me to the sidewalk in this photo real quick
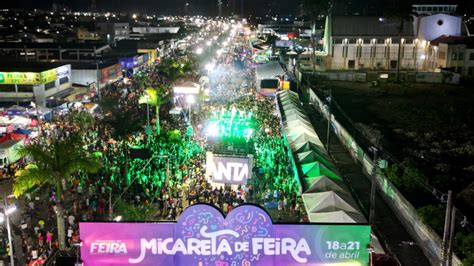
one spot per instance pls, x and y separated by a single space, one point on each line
388 227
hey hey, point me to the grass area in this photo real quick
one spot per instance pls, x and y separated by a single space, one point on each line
430 125
411 107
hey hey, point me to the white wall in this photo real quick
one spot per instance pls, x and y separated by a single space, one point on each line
429 29
84 76
411 59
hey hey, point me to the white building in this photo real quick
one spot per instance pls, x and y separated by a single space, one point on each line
377 43
114 31
28 81
453 53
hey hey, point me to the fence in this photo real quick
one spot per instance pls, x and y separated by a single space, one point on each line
425 236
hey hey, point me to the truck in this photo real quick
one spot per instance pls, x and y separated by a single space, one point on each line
9 151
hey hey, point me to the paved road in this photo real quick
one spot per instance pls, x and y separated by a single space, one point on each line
387 224
5 190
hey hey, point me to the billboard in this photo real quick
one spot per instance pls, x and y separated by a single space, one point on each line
202 236
34 78
227 169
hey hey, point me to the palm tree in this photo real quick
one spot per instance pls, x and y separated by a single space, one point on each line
51 164
315 8
155 97
83 120
171 70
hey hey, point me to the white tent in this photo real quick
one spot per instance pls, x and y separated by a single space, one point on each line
336 217
187 87
298 130
4 120
307 146
19 121
329 201
295 123
269 71
324 183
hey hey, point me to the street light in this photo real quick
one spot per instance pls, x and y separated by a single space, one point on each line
9 210
199 50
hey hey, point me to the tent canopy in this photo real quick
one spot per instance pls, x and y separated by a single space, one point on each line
22 131
269 70
307 146
336 217
313 156
316 169
324 183
187 87
329 201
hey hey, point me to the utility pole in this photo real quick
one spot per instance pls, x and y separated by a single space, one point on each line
98 79
451 235
447 223
373 187
9 231
111 211
329 99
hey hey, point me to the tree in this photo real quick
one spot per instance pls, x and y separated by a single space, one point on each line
83 120
155 97
51 165
434 216
313 9
171 70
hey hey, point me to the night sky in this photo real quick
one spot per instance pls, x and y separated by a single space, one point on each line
205 7
209 7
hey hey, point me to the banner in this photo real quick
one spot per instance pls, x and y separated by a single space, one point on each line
203 237
228 170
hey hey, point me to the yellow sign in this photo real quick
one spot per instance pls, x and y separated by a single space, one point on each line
24 78
28 78
48 76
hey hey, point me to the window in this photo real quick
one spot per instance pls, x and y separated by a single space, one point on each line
461 56
471 56
63 80
470 71
393 64
50 85
351 64
453 56
442 55
459 70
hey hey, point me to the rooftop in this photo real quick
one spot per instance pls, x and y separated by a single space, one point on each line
52 46
467 40
346 26
21 66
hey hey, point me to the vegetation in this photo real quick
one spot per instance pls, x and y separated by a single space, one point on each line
131 212
156 97
433 215
51 164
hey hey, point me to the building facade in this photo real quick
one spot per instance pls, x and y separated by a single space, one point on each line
453 53
34 82
378 43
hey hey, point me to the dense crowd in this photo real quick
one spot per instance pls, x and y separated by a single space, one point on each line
173 176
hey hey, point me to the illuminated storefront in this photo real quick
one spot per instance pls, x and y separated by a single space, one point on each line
34 82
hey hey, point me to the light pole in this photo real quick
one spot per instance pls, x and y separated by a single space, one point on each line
5 216
329 99
190 100
98 79
373 187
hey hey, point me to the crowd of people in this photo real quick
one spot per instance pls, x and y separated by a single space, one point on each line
172 175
